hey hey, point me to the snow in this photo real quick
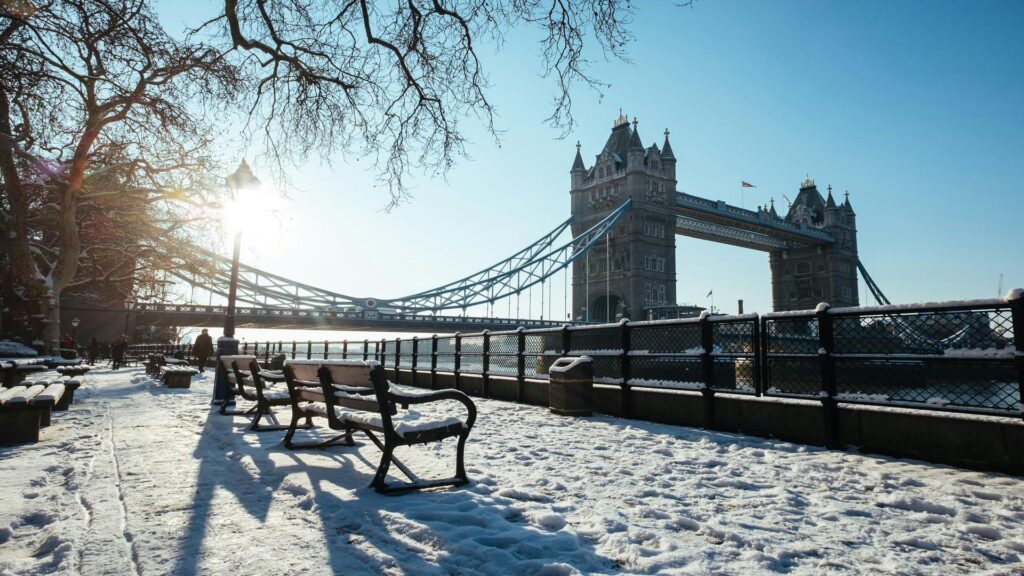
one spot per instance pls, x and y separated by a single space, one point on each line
9 348
562 367
140 479
1015 294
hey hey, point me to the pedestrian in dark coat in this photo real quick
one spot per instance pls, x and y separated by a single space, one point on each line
117 350
94 350
202 349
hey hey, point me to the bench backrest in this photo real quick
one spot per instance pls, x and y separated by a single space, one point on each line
304 369
242 359
356 385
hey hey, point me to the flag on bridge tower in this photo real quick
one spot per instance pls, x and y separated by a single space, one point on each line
746 184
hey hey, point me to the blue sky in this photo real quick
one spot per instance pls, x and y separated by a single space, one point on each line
913 107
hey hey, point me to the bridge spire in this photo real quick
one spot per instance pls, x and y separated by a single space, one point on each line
577 165
666 150
634 139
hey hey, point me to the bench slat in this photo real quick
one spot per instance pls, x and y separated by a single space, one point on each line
8 393
52 392
26 395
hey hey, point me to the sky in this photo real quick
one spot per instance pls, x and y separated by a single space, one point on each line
912 107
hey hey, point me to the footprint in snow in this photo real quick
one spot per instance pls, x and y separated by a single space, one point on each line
984 531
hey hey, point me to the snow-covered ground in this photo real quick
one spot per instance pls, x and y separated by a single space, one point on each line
139 479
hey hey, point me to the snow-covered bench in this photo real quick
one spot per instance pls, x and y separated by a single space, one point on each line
73 370
355 396
15 370
244 372
69 384
177 376
26 409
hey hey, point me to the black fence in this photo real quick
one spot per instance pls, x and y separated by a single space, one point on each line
960 357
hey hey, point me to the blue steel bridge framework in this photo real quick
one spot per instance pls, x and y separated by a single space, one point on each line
267 300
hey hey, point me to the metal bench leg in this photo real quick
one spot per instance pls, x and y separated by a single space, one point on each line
260 413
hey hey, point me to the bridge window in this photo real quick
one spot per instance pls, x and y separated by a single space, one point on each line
846 292
803 268
654 228
792 294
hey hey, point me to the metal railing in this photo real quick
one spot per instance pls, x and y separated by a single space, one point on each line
958 356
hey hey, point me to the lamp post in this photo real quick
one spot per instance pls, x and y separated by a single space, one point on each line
240 181
74 331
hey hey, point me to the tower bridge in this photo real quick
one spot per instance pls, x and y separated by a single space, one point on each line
812 250
625 214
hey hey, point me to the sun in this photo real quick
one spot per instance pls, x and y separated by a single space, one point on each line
259 214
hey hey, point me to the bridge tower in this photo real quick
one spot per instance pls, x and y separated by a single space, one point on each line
635 267
804 276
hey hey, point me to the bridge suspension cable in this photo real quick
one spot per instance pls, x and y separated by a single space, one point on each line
875 290
528 267
506 279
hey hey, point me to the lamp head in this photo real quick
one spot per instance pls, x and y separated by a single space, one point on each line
242 179
75 322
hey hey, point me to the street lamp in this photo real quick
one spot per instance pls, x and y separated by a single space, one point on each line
74 330
241 181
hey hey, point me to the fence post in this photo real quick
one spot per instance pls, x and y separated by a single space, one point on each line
826 346
415 357
381 347
293 349
279 346
458 360
366 350
485 364
1016 298
309 349
625 370
398 359
326 346
520 363
433 362
756 357
344 349
566 343
707 369
266 352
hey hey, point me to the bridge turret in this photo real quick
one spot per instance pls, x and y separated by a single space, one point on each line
668 159
635 152
579 170
831 210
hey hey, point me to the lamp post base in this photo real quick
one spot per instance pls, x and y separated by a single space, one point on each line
223 392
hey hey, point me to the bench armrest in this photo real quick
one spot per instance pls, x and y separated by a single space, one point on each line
406 399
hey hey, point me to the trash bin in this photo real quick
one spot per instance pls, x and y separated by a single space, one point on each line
571 386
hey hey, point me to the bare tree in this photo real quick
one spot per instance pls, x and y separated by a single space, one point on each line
106 120
104 141
394 80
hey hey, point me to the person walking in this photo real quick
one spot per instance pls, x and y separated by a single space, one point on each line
202 349
94 350
117 350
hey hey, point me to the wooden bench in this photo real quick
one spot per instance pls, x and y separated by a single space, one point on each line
177 376
67 398
244 372
15 370
153 363
355 396
24 410
73 370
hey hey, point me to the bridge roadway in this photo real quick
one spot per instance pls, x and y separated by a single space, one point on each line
312 319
